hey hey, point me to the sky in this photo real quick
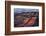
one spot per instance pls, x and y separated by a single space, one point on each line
20 10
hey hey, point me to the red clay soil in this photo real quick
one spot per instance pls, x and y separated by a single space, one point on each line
30 21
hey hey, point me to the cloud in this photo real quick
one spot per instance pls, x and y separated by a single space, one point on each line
20 10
